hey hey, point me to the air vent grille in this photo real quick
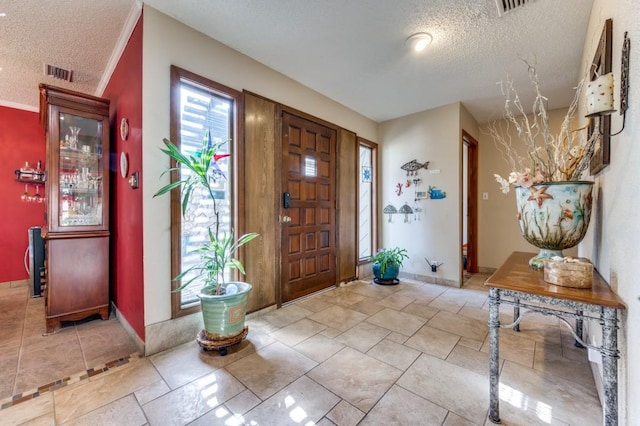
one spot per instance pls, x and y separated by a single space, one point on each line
506 6
57 72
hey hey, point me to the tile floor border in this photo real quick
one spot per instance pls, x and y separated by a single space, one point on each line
66 381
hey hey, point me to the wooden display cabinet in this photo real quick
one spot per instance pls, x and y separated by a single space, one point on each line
77 193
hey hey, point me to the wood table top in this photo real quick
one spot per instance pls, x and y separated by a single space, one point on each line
516 275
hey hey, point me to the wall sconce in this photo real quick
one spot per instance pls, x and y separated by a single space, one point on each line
599 95
134 180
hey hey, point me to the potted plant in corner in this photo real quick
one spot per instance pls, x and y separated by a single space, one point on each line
386 265
223 303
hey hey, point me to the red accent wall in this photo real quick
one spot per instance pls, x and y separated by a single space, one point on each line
21 139
125 92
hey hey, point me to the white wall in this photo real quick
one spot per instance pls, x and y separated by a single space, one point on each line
167 42
614 235
468 123
433 136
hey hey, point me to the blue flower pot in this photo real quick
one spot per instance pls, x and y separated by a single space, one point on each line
390 274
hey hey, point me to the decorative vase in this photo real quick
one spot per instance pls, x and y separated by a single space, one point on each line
224 314
73 140
554 216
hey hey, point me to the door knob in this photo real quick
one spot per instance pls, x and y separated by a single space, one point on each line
286 219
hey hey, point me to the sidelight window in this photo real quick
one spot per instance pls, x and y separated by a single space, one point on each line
367 217
198 107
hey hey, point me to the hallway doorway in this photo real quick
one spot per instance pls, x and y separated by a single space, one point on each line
469 214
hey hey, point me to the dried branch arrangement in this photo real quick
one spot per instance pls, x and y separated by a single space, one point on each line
563 156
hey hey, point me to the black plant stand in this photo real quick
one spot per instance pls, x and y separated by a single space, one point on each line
392 281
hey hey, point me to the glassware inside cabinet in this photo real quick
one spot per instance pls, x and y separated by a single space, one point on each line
81 171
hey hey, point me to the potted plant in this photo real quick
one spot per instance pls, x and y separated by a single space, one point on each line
387 263
223 303
553 202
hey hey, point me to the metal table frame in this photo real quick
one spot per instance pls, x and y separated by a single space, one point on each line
561 303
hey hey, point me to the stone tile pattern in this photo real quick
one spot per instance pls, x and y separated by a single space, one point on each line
32 363
361 354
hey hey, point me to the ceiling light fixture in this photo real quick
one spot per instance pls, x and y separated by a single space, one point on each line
418 41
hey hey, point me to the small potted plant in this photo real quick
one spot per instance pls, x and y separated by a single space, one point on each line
223 303
387 263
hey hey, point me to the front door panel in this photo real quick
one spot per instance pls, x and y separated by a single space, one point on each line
308 207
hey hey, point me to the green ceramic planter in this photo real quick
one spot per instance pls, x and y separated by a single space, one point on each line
224 314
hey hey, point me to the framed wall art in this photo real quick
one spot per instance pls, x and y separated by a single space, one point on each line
601 65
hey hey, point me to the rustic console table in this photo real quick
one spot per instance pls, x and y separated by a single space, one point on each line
515 282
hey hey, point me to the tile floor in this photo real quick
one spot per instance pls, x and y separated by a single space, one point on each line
362 354
31 362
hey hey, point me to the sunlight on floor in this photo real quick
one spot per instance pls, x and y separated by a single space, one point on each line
297 413
232 420
289 401
208 389
519 400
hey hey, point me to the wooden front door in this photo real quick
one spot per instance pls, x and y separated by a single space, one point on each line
308 207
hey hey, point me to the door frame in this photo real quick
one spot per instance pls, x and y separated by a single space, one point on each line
472 203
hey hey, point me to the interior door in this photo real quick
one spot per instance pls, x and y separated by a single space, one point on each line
308 207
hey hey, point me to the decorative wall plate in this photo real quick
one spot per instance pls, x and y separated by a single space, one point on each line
124 129
124 164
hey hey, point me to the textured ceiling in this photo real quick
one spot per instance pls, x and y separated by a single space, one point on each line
80 35
351 51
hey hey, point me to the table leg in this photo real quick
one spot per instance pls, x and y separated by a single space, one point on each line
516 313
579 322
610 355
494 363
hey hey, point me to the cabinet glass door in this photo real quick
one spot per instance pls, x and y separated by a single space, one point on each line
81 171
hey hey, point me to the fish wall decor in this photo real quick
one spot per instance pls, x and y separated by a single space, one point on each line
413 166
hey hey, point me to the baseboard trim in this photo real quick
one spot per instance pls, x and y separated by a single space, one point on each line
127 327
